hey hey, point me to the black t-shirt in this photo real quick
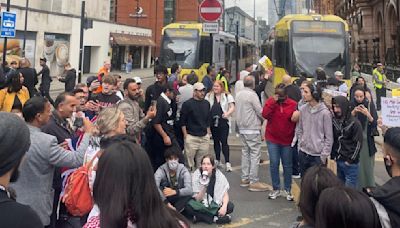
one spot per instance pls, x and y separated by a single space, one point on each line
152 93
107 100
195 115
16 215
165 116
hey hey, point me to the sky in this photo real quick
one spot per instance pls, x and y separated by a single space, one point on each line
247 6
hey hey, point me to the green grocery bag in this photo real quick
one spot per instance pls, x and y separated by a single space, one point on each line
212 209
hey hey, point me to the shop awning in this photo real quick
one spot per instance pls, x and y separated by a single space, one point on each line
132 40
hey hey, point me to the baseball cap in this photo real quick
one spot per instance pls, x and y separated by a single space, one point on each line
198 86
137 80
243 74
339 73
379 64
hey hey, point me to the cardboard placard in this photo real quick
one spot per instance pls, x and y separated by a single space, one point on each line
391 112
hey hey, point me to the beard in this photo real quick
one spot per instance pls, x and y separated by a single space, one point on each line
134 97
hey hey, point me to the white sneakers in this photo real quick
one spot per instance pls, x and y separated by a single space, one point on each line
275 193
228 166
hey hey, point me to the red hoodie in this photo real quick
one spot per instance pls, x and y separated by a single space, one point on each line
280 128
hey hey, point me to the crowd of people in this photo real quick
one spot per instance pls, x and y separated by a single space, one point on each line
146 154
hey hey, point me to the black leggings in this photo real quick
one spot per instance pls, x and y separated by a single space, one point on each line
203 217
220 136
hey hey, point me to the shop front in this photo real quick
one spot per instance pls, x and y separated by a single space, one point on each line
125 45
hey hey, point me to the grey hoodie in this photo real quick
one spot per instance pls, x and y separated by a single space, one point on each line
315 132
182 175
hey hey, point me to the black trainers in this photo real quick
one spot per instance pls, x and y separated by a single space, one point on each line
224 219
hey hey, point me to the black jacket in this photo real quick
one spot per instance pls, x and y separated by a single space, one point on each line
69 80
46 79
347 133
371 126
388 195
16 215
30 79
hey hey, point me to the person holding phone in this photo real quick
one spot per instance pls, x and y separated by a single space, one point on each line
364 110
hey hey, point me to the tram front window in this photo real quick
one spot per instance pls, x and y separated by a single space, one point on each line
312 52
180 46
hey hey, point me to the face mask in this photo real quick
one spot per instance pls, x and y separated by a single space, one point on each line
173 164
388 165
281 100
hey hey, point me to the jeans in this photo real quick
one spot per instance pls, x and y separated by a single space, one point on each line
220 136
307 161
347 173
295 160
251 153
276 154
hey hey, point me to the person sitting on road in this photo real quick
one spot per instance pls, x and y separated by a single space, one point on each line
210 188
316 179
173 180
345 207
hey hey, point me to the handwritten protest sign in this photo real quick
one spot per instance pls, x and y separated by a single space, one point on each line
391 112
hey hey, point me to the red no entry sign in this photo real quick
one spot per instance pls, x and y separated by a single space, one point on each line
210 10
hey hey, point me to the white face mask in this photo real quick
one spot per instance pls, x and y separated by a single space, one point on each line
173 164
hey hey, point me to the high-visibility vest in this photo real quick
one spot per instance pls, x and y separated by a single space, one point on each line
223 79
380 78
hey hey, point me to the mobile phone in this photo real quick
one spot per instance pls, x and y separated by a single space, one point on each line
78 122
154 103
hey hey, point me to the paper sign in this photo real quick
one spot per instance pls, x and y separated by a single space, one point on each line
396 92
391 112
266 63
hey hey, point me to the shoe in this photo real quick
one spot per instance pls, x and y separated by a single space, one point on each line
296 176
217 163
194 219
274 194
223 219
288 195
228 167
244 183
258 187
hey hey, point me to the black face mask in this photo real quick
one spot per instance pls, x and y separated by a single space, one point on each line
15 174
281 100
388 166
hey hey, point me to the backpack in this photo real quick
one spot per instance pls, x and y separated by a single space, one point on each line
78 197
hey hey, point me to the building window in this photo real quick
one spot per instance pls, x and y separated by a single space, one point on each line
169 11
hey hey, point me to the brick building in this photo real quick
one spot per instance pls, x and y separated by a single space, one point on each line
155 14
375 31
324 6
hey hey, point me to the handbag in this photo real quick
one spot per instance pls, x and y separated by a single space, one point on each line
78 197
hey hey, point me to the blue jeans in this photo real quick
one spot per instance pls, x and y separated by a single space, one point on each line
276 153
347 173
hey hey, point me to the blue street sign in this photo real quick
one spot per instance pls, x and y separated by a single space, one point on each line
8 21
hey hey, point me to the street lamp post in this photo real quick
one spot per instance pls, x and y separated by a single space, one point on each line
25 28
